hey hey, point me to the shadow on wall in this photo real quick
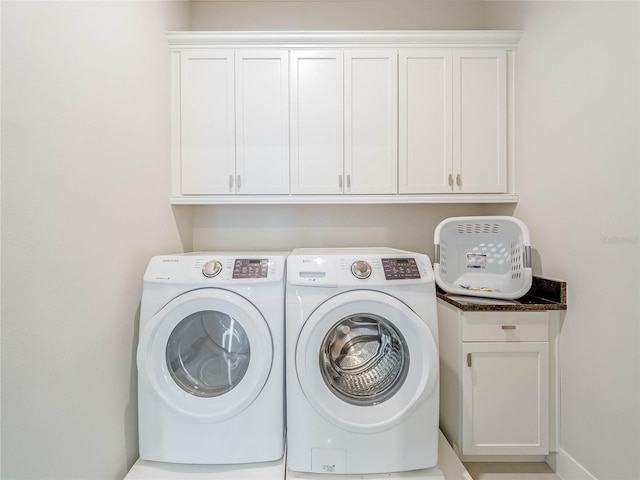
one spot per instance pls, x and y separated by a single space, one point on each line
183 217
285 227
131 408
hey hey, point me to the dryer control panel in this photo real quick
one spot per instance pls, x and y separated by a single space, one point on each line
217 268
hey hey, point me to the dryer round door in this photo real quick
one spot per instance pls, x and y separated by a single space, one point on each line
365 361
207 354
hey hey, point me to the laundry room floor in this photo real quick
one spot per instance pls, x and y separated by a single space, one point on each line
510 471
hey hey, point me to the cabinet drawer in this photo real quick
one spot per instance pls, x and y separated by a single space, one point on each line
505 327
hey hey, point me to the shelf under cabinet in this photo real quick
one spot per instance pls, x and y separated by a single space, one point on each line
339 199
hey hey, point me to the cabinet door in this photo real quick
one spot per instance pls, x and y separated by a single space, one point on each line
371 119
207 153
505 405
480 121
425 121
262 122
317 122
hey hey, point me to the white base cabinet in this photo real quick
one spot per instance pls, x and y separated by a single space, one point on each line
494 383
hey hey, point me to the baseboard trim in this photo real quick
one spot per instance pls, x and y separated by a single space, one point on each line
567 467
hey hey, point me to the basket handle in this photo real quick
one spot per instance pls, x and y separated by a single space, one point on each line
526 260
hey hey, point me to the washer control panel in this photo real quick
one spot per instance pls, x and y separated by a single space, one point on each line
361 269
400 268
358 267
251 268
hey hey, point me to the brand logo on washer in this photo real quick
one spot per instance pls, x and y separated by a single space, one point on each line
329 468
170 260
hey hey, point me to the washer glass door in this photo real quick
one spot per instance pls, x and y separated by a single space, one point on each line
208 353
364 359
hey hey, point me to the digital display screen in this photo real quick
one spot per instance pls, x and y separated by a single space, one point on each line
400 268
251 268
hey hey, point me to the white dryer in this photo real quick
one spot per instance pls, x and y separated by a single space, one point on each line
211 358
362 361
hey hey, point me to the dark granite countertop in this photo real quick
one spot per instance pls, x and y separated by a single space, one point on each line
544 294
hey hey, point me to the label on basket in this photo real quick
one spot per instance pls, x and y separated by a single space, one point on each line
476 260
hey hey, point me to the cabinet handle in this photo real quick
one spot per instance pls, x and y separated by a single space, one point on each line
468 359
340 181
508 327
459 180
238 181
348 181
230 182
451 179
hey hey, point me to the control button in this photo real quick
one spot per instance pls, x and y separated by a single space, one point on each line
361 269
211 268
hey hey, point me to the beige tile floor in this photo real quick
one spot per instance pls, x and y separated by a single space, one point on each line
510 471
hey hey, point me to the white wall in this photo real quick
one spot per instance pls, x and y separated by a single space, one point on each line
85 187
336 15
578 97
409 227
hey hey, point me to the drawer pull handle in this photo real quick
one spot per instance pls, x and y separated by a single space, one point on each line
468 359
508 327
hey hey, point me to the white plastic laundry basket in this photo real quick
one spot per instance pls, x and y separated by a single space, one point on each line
483 256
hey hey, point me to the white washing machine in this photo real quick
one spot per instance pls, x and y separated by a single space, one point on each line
362 362
211 358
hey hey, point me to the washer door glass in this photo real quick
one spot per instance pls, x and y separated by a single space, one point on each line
366 372
208 353
364 359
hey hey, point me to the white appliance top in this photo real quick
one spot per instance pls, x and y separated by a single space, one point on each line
216 268
366 267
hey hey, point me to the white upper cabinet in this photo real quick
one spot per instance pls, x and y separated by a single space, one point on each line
480 121
262 122
343 117
453 121
234 127
207 122
371 121
317 160
425 124
344 122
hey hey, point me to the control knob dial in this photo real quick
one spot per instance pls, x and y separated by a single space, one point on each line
211 269
361 269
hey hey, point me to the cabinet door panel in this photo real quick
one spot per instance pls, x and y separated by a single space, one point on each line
316 122
207 122
480 133
505 398
262 122
371 118
425 121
